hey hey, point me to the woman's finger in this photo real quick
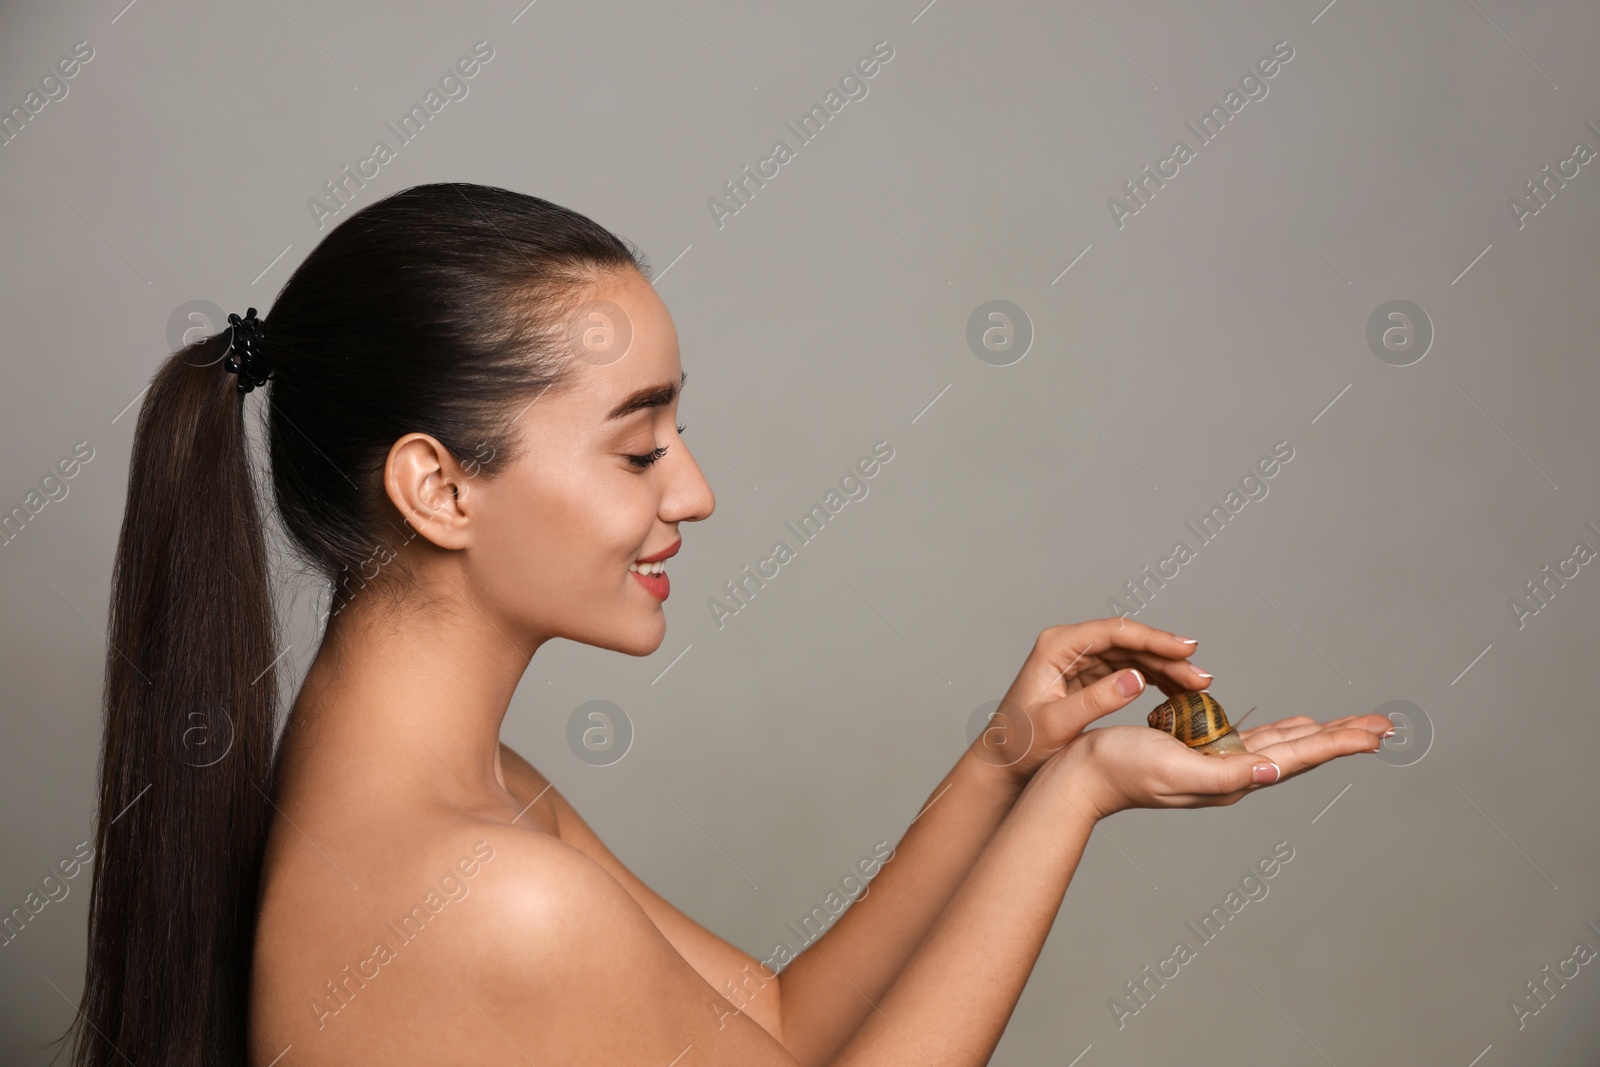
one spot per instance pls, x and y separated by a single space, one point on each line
1293 720
1119 631
1196 778
1376 723
1272 733
1218 777
1059 649
1170 675
1302 726
1303 753
1070 714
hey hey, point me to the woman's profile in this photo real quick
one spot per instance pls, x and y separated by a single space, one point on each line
470 408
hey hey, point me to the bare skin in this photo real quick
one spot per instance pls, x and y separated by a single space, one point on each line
510 934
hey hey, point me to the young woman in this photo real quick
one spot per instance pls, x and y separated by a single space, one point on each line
471 400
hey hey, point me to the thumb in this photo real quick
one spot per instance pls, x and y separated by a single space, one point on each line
1212 775
1112 693
1243 770
1066 717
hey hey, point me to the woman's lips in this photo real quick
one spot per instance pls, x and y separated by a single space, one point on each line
670 550
656 585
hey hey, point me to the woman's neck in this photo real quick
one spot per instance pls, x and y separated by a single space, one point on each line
409 694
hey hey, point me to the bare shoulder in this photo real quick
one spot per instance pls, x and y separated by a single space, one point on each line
572 970
478 941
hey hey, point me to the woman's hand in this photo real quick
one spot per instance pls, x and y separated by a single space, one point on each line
1107 770
1074 675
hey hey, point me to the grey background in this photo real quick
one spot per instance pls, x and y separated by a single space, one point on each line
830 313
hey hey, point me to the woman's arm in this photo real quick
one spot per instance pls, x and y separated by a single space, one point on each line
828 990
577 973
1069 678
816 1012
1073 675
592 976
951 1003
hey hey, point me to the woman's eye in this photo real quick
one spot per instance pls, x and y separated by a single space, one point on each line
648 458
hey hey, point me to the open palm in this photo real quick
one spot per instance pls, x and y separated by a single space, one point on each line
1117 767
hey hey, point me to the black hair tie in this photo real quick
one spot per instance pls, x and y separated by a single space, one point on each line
244 351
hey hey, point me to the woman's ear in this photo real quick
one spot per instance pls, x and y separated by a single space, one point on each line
429 488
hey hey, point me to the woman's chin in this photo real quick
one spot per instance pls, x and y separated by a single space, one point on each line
641 639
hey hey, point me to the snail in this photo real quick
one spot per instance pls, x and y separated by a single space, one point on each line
1198 721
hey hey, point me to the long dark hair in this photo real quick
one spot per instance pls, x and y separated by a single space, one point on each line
438 309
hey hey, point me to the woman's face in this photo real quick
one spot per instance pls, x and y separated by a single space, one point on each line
603 481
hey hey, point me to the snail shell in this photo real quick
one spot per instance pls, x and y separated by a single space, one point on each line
1198 721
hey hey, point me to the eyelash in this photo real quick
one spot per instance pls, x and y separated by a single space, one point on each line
649 458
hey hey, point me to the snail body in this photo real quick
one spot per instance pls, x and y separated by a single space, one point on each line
1198 721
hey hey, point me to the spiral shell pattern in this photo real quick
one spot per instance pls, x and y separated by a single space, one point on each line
1198 721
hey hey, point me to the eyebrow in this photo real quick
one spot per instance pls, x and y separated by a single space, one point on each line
651 396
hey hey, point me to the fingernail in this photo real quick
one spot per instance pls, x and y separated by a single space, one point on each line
1201 673
1131 683
1265 773
1389 732
1187 640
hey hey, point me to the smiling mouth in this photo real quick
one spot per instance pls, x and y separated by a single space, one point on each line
657 559
653 576
651 572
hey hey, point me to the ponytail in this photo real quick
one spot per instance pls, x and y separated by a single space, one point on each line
443 308
190 717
